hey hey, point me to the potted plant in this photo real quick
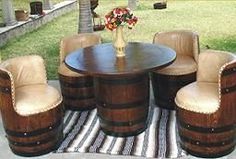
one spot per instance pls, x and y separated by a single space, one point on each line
21 15
36 7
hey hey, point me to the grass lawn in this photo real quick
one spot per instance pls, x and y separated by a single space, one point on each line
213 20
24 4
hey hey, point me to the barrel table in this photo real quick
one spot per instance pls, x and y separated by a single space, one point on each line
121 84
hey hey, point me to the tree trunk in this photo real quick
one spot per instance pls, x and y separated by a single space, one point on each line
8 13
132 4
85 17
47 4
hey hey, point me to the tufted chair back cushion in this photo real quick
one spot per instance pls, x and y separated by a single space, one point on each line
74 42
210 62
26 70
182 41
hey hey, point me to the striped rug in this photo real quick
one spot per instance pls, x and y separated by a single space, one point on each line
160 140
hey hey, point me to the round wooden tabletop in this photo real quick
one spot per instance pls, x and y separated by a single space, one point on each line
100 60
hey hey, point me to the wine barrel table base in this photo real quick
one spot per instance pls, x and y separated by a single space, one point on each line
204 140
122 104
77 92
121 83
165 88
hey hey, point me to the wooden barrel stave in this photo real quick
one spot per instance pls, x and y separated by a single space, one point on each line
123 131
38 139
207 144
207 152
120 115
122 104
200 136
37 142
39 147
31 135
77 92
204 137
165 87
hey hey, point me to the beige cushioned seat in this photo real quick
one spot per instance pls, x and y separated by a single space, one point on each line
182 65
185 44
32 94
77 88
206 110
43 96
31 110
203 96
199 96
168 80
72 43
64 70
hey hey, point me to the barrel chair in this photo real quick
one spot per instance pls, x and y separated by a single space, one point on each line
167 81
31 110
77 89
206 110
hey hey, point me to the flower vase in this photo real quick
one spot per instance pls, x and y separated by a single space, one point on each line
120 64
119 42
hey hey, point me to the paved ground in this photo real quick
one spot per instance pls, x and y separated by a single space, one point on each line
5 152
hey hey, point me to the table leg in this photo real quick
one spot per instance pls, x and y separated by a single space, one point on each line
122 104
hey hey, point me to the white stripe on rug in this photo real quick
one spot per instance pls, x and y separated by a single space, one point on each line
139 140
69 126
128 145
82 147
72 119
152 144
84 130
100 138
83 134
172 136
107 144
117 146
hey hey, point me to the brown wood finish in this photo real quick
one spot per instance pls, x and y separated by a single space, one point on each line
100 60
165 87
29 135
77 92
121 84
212 135
123 104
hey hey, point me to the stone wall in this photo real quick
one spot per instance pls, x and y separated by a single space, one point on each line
9 32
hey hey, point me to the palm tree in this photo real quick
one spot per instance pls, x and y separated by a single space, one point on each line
47 4
132 4
8 12
85 17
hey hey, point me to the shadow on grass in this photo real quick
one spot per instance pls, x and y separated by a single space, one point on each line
225 43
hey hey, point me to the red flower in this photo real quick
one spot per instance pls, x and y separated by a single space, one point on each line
120 16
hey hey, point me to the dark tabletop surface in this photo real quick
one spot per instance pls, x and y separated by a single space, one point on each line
100 60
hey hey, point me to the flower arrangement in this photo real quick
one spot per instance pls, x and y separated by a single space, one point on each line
119 17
